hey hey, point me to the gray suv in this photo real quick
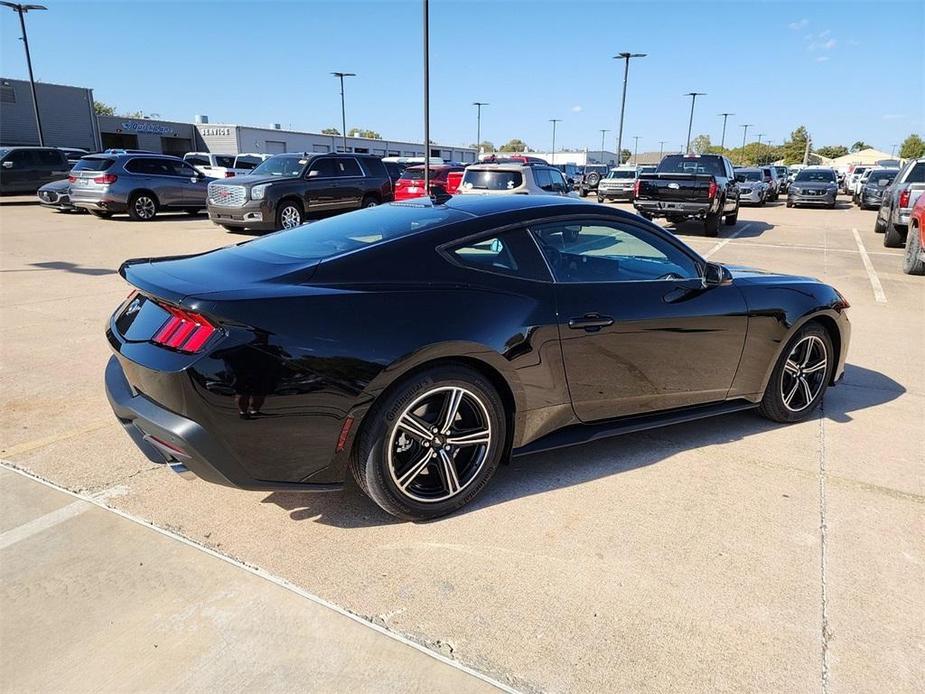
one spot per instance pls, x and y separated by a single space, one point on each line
26 169
138 184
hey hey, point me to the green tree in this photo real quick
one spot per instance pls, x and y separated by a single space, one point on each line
330 131
701 144
359 132
859 145
514 145
625 156
792 150
103 109
486 146
912 147
832 151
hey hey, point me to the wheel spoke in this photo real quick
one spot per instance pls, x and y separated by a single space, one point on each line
448 469
791 367
815 367
415 470
471 438
415 427
451 409
789 396
807 391
807 355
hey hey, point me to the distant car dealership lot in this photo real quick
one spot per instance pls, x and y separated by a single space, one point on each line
676 558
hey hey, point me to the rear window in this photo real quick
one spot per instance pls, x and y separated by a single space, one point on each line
676 163
877 177
475 179
412 175
245 162
360 229
90 164
819 176
227 162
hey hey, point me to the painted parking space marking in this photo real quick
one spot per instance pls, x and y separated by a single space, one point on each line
42 523
726 240
879 295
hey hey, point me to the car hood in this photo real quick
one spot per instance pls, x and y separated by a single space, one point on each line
251 180
750 275
57 186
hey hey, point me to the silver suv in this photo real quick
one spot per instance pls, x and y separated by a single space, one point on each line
138 184
518 179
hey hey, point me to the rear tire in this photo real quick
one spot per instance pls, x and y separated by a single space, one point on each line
711 225
731 219
101 215
798 382
449 474
789 203
646 215
142 207
892 237
912 262
600 199
879 225
370 201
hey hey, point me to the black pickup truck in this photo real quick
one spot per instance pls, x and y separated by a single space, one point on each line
690 186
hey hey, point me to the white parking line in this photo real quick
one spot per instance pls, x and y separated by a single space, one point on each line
37 525
726 240
801 247
879 296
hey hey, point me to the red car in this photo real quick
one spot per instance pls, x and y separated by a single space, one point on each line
444 180
914 258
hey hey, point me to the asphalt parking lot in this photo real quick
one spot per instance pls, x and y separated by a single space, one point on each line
724 555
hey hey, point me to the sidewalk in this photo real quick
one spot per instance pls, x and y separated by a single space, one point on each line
91 601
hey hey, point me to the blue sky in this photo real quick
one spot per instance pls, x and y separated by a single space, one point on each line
847 70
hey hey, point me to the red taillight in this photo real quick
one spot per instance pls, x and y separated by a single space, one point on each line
711 193
229 174
904 196
72 179
105 179
636 188
184 331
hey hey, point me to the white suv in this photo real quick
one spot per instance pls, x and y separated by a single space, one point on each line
213 165
517 179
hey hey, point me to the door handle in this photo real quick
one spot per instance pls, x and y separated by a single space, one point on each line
590 322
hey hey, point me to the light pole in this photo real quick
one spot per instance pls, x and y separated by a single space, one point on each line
758 161
343 109
661 148
603 133
426 21
690 124
722 142
478 126
745 127
554 121
893 151
768 145
626 71
635 150
21 11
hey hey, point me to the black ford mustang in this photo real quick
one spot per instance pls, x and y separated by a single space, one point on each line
419 345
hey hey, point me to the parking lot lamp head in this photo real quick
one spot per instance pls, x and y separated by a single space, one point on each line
343 109
625 57
21 10
690 124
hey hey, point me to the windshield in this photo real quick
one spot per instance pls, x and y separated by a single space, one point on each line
743 176
818 176
676 163
348 232
622 174
476 179
92 164
781 170
281 165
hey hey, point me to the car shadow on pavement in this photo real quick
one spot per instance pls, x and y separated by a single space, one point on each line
542 472
68 267
745 228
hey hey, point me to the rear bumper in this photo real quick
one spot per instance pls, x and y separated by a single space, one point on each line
658 208
181 444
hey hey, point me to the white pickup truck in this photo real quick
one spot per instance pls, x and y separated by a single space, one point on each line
214 165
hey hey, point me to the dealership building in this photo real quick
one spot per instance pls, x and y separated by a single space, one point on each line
69 120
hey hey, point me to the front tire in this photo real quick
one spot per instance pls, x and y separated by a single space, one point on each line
800 377
289 215
731 219
432 443
142 207
370 201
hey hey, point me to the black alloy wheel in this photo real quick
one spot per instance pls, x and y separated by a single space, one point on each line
800 377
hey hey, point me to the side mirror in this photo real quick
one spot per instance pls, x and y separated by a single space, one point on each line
7 165
715 275
195 179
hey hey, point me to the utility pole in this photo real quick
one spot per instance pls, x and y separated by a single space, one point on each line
478 126
343 108
758 155
722 142
603 132
554 121
636 150
626 71
21 11
690 124
661 148
426 20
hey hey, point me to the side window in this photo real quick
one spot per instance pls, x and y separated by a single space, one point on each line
51 157
558 181
138 166
324 167
510 253
183 169
917 173
20 158
597 251
374 167
198 160
542 178
348 167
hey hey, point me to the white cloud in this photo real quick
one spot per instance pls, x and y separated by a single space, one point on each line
822 58
577 109
893 116
830 44
799 24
